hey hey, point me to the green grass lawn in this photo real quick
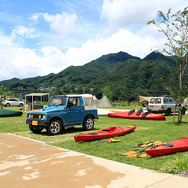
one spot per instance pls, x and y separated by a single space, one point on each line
164 131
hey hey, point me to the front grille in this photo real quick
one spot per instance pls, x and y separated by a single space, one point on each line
36 116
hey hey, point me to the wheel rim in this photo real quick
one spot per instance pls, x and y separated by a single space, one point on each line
55 127
89 123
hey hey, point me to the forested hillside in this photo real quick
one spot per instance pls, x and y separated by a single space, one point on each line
123 76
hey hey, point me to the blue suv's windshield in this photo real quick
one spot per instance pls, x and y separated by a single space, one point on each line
58 101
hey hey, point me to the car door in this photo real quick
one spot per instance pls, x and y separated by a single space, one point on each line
74 111
12 102
15 102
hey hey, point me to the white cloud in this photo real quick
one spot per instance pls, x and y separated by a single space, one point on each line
24 63
35 16
123 40
5 41
48 18
62 24
129 12
23 32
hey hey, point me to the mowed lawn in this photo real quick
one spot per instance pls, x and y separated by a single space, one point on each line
164 131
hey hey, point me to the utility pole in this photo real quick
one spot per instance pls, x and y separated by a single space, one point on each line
20 88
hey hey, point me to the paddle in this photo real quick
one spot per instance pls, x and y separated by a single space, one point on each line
144 143
143 155
110 140
135 153
168 145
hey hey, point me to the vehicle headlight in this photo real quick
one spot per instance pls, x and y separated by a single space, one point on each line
43 117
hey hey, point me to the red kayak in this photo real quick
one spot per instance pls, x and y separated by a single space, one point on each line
105 133
137 115
178 146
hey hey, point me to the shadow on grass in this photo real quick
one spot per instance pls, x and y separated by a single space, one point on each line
177 124
71 130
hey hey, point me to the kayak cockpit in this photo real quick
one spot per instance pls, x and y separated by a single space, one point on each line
110 129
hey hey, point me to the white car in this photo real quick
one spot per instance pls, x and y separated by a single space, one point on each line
12 102
163 105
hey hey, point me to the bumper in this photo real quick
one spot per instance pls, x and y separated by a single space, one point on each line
37 123
157 111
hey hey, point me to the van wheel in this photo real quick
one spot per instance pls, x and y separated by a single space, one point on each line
168 112
55 127
88 123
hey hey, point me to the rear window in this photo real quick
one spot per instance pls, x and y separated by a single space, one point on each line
158 100
155 100
152 100
89 103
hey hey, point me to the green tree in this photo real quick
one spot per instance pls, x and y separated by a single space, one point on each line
3 92
80 89
108 92
119 92
175 29
65 89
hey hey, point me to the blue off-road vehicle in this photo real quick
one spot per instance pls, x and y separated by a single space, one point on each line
64 111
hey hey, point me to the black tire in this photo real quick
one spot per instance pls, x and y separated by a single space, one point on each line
7 105
168 112
35 129
20 105
88 123
55 127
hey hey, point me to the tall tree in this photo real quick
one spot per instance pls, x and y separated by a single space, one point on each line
175 29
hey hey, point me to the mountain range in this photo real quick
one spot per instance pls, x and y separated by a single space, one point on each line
124 77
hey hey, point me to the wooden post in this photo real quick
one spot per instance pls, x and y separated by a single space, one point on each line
179 106
174 113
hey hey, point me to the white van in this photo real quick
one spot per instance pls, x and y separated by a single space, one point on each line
163 105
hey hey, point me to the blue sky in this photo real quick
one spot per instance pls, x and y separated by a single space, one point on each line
38 37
